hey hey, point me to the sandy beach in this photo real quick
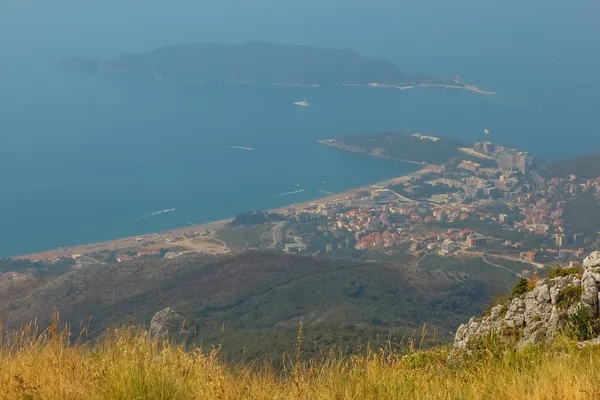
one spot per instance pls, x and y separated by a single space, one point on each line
353 193
206 241
155 241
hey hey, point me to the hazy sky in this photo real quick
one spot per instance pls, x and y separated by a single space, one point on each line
408 32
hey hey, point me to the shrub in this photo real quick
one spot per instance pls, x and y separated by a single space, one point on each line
496 345
521 288
557 272
417 360
495 301
568 296
581 325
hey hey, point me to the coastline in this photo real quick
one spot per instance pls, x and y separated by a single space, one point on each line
157 238
353 193
408 86
167 239
356 149
470 88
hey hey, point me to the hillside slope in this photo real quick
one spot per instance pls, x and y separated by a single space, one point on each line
586 166
254 301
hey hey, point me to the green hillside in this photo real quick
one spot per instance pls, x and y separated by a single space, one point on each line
253 303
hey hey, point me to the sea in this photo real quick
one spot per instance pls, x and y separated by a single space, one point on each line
90 157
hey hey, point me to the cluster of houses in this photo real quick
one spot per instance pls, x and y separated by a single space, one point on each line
382 218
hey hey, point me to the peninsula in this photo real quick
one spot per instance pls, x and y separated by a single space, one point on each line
412 148
263 63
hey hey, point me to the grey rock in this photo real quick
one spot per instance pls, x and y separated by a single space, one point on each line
515 307
593 342
590 291
542 293
495 312
594 274
535 314
167 323
554 294
556 322
533 333
535 311
593 260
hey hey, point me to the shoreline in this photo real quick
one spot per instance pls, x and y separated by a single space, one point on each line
124 242
407 86
348 194
166 239
470 88
356 149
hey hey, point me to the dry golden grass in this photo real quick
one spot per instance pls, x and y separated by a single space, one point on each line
127 364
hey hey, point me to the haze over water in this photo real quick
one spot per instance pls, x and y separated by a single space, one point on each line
83 157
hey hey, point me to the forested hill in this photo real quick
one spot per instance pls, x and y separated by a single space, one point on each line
402 146
255 62
252 303
586 166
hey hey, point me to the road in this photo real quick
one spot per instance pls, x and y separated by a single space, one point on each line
406 199
278 235
537 265
498 266
539 181
91 259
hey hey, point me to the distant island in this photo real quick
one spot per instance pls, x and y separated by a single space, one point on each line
263 63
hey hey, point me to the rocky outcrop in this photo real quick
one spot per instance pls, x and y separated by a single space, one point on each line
167 323
586 343
540 315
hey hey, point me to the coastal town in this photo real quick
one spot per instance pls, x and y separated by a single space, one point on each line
500 205
489 200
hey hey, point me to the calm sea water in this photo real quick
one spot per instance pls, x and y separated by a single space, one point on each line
86 157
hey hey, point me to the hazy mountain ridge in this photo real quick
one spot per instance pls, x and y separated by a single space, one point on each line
254 62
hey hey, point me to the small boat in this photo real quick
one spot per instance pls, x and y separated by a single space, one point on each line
302 103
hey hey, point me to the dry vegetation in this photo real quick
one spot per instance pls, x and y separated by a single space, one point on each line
127 364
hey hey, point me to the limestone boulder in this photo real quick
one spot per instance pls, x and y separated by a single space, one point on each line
534 317
167 323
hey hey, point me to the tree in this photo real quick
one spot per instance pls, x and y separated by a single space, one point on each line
520 288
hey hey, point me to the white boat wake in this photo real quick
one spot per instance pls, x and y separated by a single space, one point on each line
294 192
241 148
168 210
